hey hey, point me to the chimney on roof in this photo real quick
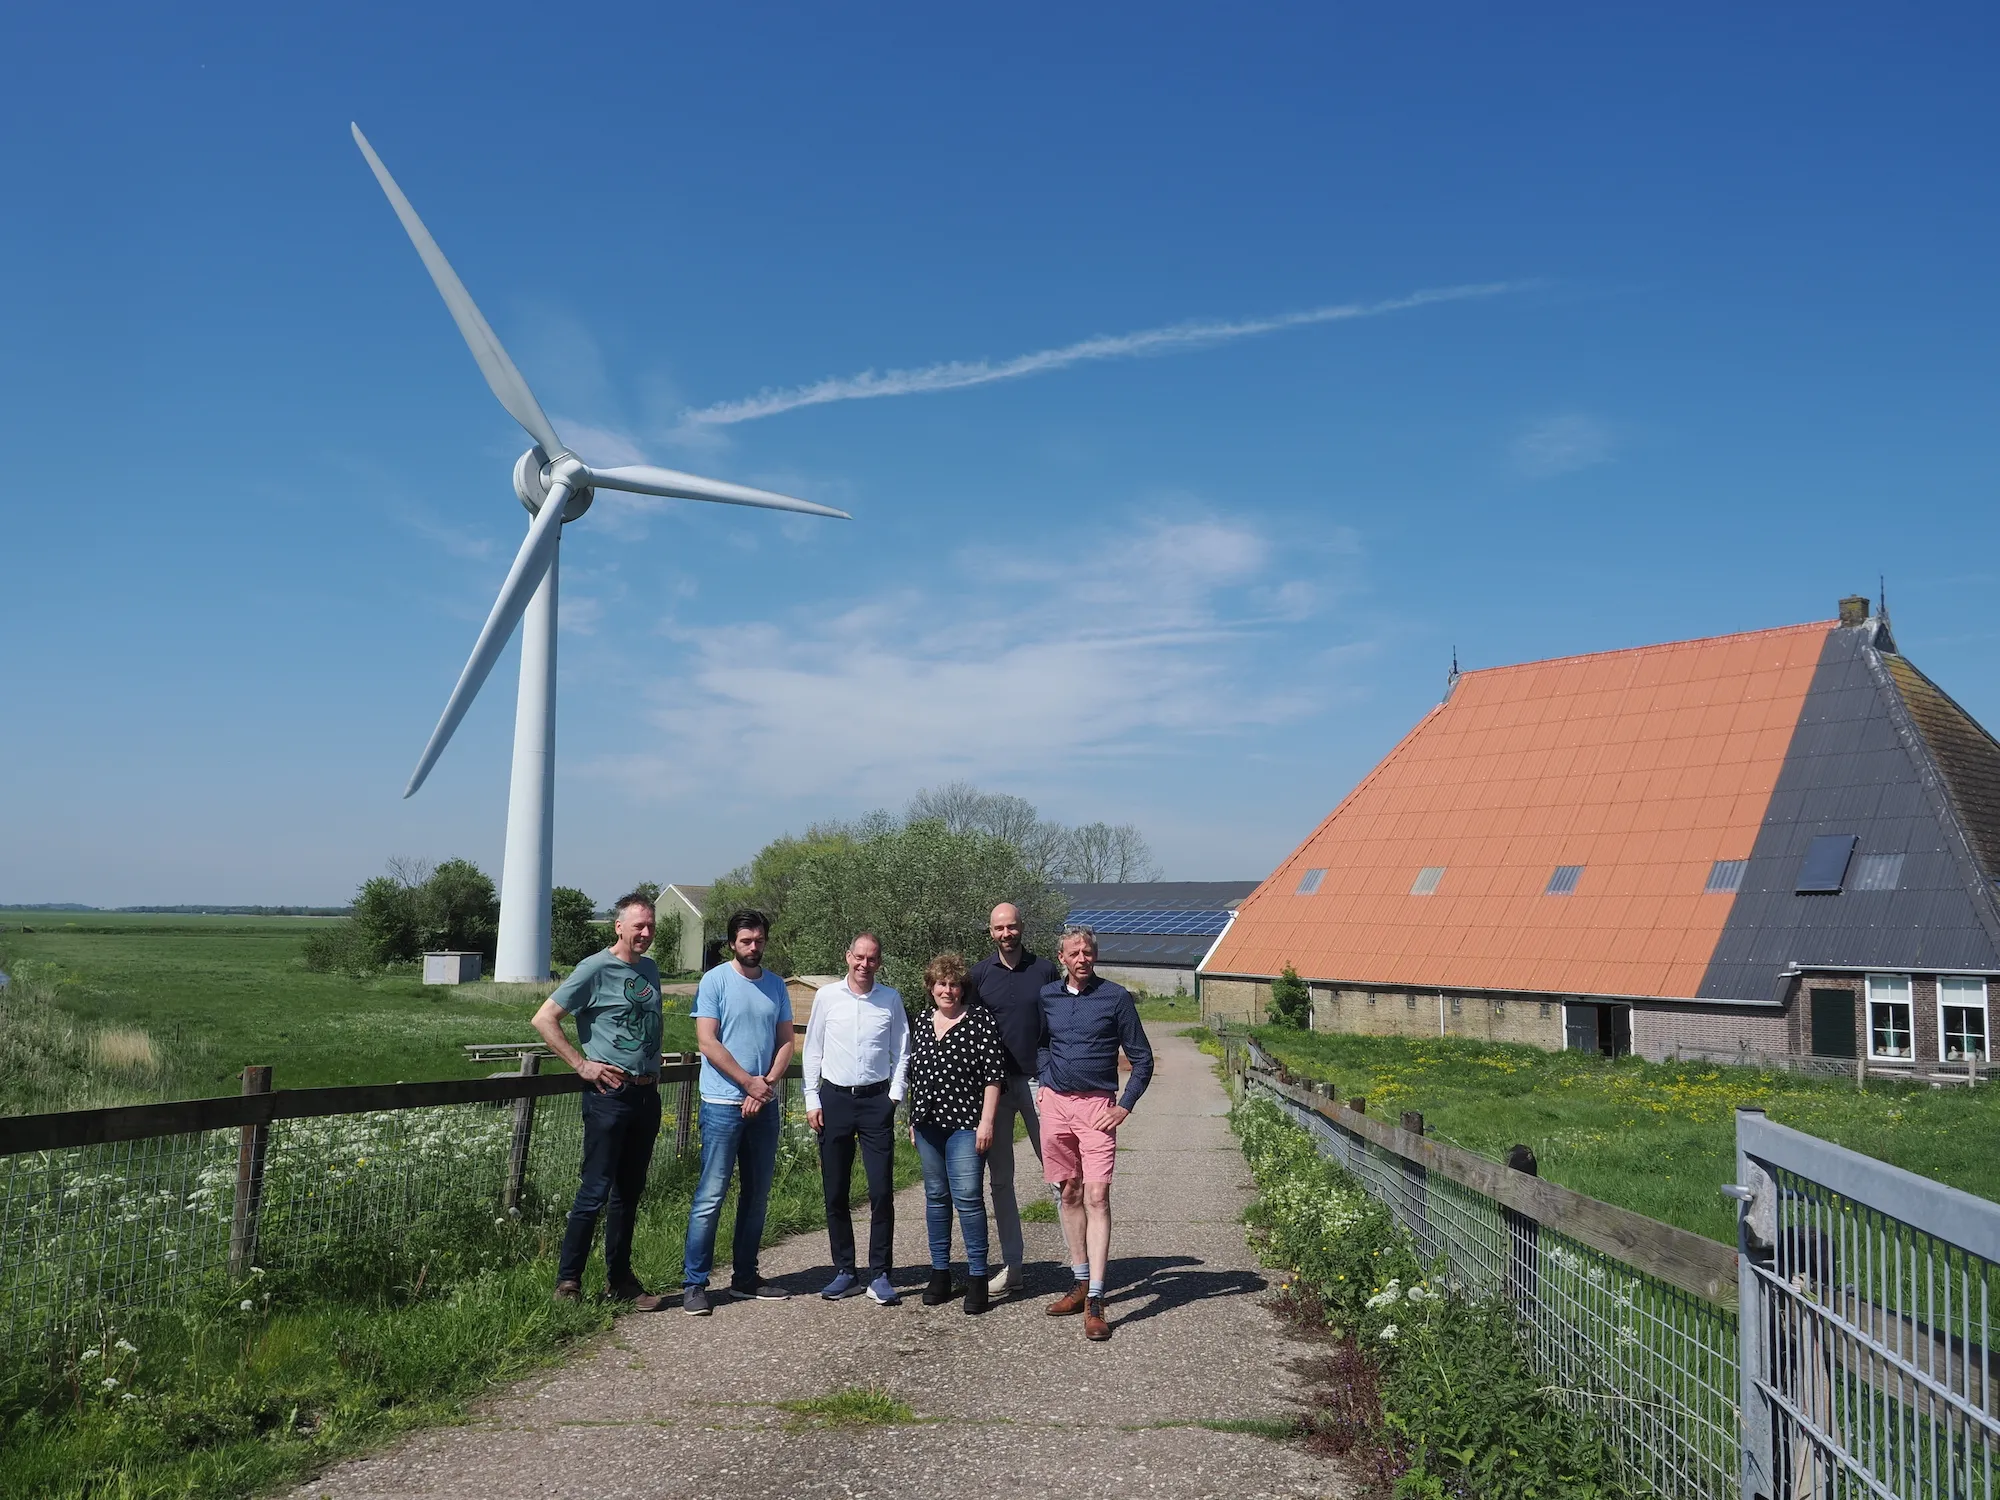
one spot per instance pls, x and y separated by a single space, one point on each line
1854 610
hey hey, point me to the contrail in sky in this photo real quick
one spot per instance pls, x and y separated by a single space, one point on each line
946 377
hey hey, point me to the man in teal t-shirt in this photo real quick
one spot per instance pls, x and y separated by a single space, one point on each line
614 997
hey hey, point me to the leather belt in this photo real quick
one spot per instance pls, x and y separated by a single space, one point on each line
858 1091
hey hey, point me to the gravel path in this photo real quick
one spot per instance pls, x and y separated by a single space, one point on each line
1011 1403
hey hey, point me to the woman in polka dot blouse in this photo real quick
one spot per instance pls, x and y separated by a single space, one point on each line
956 1068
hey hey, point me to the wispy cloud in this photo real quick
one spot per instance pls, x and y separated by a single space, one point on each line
1175 640
458 541
1562 445
955 374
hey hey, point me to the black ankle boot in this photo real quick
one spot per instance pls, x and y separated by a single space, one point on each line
975 1295
937 1291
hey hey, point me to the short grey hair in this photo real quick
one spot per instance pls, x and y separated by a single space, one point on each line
1088 936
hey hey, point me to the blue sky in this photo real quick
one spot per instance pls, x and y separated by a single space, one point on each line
1722 348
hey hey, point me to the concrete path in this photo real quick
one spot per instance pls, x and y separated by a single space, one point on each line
1012 1403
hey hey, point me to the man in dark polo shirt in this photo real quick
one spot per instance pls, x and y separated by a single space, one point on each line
1009 983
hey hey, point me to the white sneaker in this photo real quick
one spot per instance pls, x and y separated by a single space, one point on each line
1003 1282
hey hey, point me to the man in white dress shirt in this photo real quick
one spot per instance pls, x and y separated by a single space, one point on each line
857 1050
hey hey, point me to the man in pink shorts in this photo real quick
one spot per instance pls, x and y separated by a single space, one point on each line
1086 1019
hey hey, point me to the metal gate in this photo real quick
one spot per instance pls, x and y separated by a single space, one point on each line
1868 1305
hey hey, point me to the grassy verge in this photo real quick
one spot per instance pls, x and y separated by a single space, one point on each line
1427 1394
1167 1007
253 1385
1658 1138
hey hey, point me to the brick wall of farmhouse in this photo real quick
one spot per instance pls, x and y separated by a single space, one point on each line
1532 1019
1717 1035
1243 1001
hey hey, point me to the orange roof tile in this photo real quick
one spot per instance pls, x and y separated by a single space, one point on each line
1643 766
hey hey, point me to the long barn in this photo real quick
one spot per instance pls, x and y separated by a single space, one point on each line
1780 845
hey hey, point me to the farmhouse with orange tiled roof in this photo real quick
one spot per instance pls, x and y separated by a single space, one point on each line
1777 845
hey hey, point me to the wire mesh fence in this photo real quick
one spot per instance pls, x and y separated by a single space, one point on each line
349 1198
1654 1364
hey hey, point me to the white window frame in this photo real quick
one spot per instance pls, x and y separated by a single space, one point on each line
1984 1007
1907 1000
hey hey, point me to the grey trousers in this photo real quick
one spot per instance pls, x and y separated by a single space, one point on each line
1017 1096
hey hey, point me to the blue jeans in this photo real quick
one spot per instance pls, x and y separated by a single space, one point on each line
728 1140
952 1166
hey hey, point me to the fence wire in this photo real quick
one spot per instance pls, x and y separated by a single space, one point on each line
354 1197
1876 1353
1655 1366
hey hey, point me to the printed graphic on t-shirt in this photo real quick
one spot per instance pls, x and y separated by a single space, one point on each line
639 1023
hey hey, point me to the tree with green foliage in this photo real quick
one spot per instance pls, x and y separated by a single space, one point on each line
1291 1001
414 909
920 888
458 910
574 931
765 884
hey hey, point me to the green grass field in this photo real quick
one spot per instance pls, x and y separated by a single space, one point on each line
1658 1138
204 996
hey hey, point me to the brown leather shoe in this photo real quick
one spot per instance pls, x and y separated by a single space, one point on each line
629 1289
568 1291
1095 1328
1070 1303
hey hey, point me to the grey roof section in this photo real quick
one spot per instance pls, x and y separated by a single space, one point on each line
1167 895
1856 765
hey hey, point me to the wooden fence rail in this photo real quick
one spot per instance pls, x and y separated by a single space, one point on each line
1665 1252
133 1122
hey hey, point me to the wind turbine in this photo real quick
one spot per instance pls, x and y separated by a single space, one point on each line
556 487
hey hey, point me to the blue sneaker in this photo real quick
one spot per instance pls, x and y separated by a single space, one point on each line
884 1293
844 1284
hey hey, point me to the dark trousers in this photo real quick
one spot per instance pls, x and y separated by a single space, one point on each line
619 1129
871 1123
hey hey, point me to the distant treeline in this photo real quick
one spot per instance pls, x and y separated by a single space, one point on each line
196 911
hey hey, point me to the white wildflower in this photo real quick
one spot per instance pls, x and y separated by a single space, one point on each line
172 1255
246 1305
108 1383
1387 1296
126 1346
90 1354
1388 1335
256 1270
128 1396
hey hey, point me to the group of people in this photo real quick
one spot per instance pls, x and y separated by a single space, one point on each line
1011 1038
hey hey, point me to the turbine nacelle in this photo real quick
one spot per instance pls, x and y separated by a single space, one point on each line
535 473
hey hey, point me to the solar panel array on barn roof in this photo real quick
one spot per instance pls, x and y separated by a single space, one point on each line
1160 922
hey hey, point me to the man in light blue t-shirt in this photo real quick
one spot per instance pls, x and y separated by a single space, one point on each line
743 1023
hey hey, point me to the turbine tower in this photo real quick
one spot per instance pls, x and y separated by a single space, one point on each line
556 487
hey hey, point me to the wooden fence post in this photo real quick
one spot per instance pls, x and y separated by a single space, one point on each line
1524 1242
524 1134
252 1141
684 1117
1417 1188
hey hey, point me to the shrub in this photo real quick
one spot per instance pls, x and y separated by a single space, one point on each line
1291 1001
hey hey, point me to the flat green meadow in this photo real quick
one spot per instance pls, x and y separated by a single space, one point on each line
1658 1138
177 1006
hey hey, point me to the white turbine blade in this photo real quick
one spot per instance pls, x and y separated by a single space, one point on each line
530 563
494 364
644 479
